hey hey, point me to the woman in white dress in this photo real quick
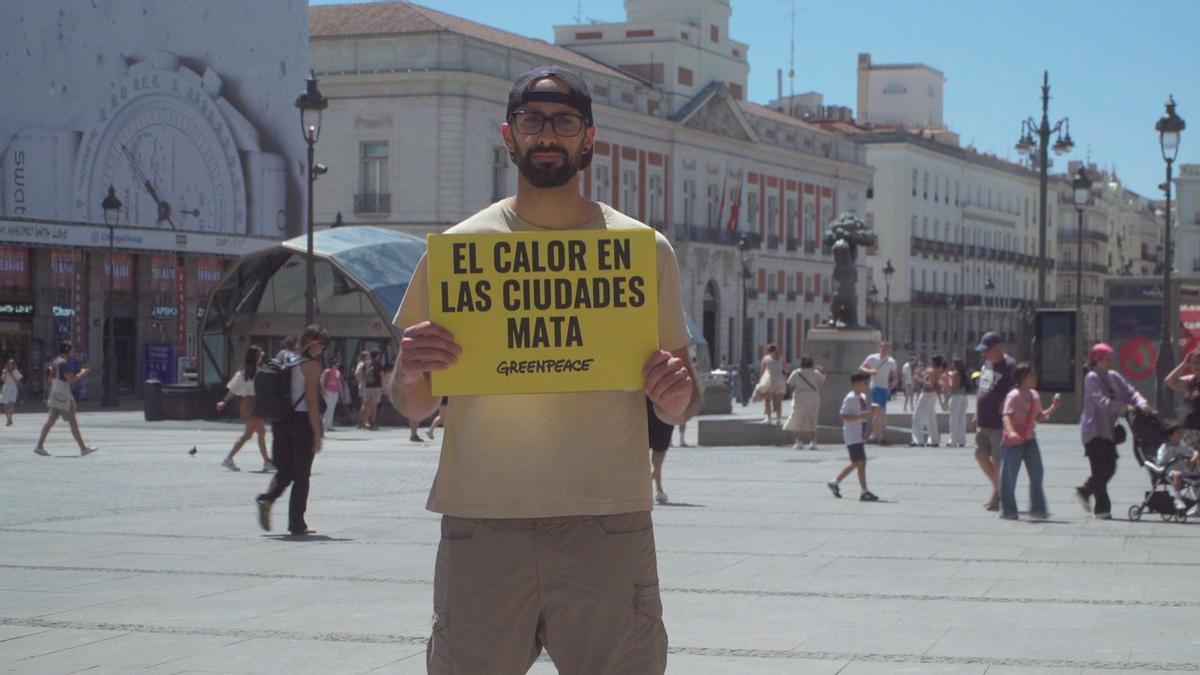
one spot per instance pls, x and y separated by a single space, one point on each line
924 417
772 386
959 386
242 385
10 388
805 383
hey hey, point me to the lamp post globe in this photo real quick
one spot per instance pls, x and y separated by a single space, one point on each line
112 213
311 104
1081 191
1169 128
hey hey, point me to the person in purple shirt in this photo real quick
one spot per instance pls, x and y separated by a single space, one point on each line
1106 395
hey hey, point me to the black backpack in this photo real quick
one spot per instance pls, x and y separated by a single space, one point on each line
273 389
374 375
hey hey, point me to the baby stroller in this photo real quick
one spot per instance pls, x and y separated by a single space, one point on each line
1147 437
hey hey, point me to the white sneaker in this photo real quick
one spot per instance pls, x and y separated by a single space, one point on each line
766 420
683 444
660 497
87 450
1195 510
228 464
268 467
797 445
39 450
812 446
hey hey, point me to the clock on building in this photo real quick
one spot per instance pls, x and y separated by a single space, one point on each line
178 153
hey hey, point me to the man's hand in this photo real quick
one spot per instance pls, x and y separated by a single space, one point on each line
971 424
424 348
668 383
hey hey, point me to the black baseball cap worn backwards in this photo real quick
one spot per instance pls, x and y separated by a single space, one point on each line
577 95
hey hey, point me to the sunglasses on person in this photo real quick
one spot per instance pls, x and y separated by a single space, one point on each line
566 125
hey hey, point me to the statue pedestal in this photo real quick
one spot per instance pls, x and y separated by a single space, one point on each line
839 351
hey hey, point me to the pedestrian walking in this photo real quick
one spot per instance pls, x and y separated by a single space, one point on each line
1185 378
59 378
10 389
960 386
907 371
296 439
1022 413
884 375
805 383
995 381
929 382
373 391
856 414
772 385
567 564
660 441
1106 395
344 399
242 384
360 383
331 391
439 418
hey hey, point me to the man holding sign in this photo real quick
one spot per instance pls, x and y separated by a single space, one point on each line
533 316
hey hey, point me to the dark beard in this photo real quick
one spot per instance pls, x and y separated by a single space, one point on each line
541 176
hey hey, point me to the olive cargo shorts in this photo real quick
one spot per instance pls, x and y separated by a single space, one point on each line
583 587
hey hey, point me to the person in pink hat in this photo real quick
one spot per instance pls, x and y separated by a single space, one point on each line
1106 395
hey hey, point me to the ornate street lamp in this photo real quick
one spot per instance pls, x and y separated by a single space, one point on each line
1168 127
1030 145
112 213
311 103
1081 188
888 271
744 369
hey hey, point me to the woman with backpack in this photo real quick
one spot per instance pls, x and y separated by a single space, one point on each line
296 436
242 385
1106 395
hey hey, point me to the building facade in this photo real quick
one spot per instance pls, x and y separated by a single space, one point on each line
412 131
1186 219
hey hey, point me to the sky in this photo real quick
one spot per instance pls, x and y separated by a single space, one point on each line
1112 63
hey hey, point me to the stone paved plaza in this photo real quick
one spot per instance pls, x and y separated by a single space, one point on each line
144 557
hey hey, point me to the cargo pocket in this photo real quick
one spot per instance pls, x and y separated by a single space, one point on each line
625 523
650 635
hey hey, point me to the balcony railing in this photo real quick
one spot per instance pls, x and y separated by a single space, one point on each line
1070 234
714 235
1069 266
791 296
373 202
772 294
809 297
791 243
752 293
772 241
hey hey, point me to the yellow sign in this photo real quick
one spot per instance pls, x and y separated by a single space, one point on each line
542 312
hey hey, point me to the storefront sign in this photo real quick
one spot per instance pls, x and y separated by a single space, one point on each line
536 313
208 275
162 273
121 270
165 312
14 267
61 312
158 361
62 268
16 310
142 239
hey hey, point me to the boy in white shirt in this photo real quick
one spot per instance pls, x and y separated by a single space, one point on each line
855 412
1177 460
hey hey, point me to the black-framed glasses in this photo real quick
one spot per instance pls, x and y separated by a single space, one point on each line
532 122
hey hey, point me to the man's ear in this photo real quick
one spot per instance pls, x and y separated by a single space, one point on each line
507 135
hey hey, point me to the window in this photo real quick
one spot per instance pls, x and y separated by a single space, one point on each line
629 196
791 221
714 203
936 193
772 215
925 190
374 195
914 183
752 209
894 88
946 192
689 201
914 226
714 33
656 199
925 227
600 190
808 231
956 193
499 173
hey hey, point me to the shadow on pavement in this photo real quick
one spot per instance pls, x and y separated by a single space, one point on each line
304 537
685 505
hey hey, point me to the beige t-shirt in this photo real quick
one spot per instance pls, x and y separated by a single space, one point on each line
546 455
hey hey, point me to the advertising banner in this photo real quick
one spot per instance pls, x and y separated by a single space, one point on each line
120 268
162 273
538 312
14 267
158 362
208 275
62 268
